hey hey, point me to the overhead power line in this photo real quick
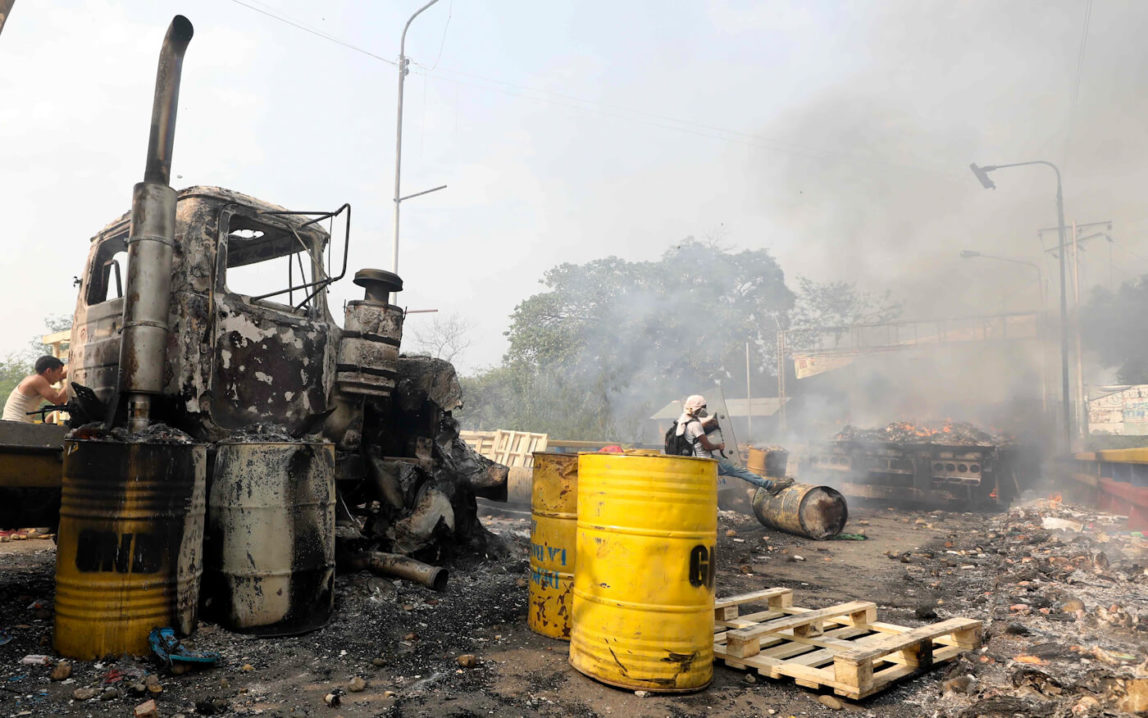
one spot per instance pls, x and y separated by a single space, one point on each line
442 43
592 106
1079 72
317 33
672 123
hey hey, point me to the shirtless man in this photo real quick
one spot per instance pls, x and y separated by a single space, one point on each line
35 389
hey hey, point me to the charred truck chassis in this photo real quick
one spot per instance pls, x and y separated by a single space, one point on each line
968 476
278 364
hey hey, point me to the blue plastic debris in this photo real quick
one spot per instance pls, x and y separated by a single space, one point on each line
169 650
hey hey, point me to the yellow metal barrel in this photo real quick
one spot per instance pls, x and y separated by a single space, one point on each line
130 545
770 461
553 524
818 512
644 580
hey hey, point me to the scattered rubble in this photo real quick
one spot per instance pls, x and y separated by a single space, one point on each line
1078 649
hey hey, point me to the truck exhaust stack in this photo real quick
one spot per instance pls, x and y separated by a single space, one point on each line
147 299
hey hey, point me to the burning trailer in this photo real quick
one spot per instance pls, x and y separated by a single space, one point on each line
953 464
222 440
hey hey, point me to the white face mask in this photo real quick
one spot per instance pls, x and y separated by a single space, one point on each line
702 412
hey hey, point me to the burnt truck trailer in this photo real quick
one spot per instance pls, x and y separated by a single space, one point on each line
942 468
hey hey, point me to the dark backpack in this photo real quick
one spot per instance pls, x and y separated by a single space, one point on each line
678 445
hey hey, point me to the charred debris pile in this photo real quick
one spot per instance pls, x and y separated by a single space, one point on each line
904 432
1064 591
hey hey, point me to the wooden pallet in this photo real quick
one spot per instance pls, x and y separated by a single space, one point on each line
509 448
842 647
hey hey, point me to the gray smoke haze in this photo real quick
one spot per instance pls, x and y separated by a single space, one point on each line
866 180
877 186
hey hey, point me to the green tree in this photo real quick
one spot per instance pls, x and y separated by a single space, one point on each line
19 364
1110 328
840 304
609 341
825 311
12 369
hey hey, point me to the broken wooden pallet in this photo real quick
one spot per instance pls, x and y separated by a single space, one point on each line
842 647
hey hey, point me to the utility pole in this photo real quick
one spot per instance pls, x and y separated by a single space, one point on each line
403 62
783 419
1077 244
748 399
1082 408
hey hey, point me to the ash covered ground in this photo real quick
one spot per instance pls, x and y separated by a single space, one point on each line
1063 594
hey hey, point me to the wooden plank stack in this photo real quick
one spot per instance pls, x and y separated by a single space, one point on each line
842 647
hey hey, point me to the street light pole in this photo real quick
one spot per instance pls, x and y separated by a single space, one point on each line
748 399
782 419
403 62
1065 395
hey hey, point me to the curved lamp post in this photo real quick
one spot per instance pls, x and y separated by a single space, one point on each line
403 62
982 174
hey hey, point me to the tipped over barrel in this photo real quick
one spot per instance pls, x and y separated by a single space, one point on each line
816 512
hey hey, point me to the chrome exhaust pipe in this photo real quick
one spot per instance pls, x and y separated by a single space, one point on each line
143 345
164 105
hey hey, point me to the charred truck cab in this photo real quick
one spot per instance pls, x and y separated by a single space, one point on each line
251 338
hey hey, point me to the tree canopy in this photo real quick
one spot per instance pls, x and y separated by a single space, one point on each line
18 365
1109 328
610 340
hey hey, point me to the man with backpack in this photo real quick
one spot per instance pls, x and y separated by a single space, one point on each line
687 437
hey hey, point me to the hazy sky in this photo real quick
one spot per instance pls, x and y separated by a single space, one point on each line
836 134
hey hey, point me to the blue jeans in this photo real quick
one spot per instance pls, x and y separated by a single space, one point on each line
725 467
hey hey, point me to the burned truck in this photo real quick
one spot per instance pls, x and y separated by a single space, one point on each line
951 465
224 428
168 331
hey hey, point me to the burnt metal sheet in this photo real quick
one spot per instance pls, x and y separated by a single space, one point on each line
267 367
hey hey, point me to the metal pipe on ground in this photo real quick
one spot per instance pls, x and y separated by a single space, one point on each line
816 512
394 564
